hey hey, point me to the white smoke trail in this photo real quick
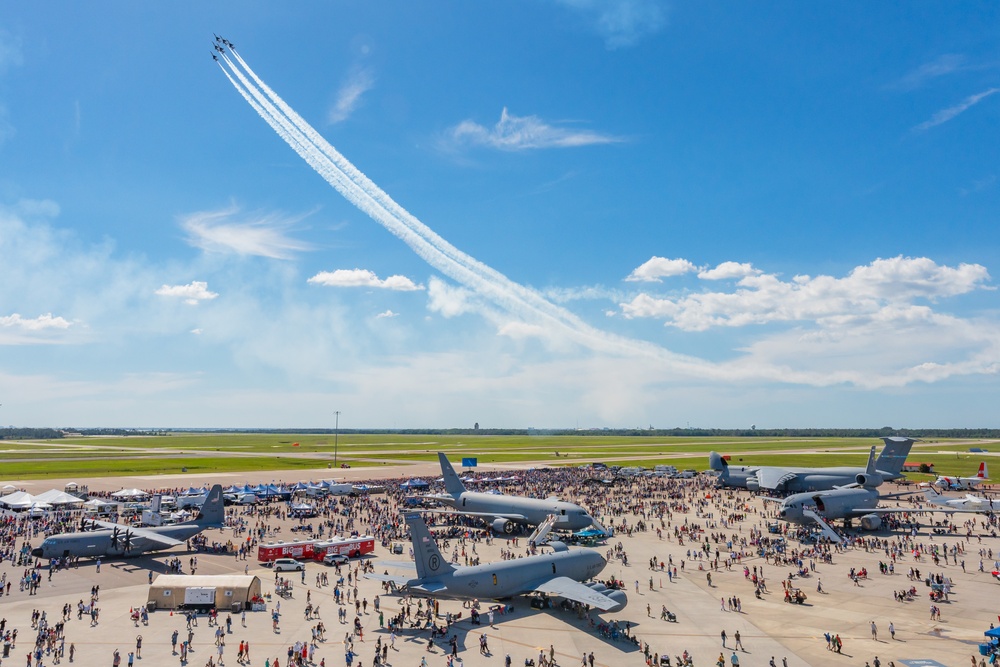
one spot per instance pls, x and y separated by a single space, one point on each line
404 216
365 195
351 191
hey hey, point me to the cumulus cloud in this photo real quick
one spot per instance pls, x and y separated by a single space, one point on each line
262 235
386 314
448 300
728 271
621 23
40 323
363 278
517 133
880 289
359 82
193 293
657 268
945 115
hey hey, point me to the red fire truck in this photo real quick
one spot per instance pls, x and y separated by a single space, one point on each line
267 553
348 546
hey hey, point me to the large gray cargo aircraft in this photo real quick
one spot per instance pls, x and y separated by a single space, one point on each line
111 539
782 479
559 573
848 503
504 513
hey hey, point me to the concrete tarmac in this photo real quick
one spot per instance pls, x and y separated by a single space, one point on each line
768 627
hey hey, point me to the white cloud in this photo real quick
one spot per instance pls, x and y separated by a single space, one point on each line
522 330
262 235
349 96
192 293
386 314
868 292
363 278
449 300
660 267
728 271
516 133
621 22
39 323
945 115
941 66
197 332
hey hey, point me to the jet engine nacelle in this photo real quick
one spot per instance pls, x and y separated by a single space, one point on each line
505 526
753 484
864 479
597 587
620 597
871 522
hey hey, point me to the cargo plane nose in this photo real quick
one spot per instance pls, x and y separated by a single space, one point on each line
37 552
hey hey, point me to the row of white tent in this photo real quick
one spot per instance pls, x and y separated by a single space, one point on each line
54 498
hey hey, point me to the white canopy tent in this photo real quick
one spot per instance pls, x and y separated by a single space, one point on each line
130 493
18 500
57 497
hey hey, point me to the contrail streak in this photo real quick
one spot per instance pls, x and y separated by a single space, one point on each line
436 251
378 195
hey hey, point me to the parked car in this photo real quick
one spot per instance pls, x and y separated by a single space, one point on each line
335 559
288 564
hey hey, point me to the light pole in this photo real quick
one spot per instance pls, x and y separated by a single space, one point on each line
336 439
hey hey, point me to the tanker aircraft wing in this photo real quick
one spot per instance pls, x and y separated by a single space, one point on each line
574 590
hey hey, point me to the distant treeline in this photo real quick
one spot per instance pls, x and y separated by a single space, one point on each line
658 432
51 434
55 434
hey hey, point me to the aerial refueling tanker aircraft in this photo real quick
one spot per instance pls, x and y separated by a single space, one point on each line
855 501
781 479
102 538
504 513
560 573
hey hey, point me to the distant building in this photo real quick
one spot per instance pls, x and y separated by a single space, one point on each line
910 466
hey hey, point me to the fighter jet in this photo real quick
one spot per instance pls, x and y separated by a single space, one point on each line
963 483
215 57
504 513
780 479
560 573
117 540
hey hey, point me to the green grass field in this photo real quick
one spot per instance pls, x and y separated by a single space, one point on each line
236 452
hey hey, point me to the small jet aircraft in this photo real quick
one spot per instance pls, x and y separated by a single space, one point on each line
218 48
969 503
505 513
781 479
112 539
215 57
963 483
560 573
850 502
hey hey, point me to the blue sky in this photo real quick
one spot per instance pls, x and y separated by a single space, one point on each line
627 214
